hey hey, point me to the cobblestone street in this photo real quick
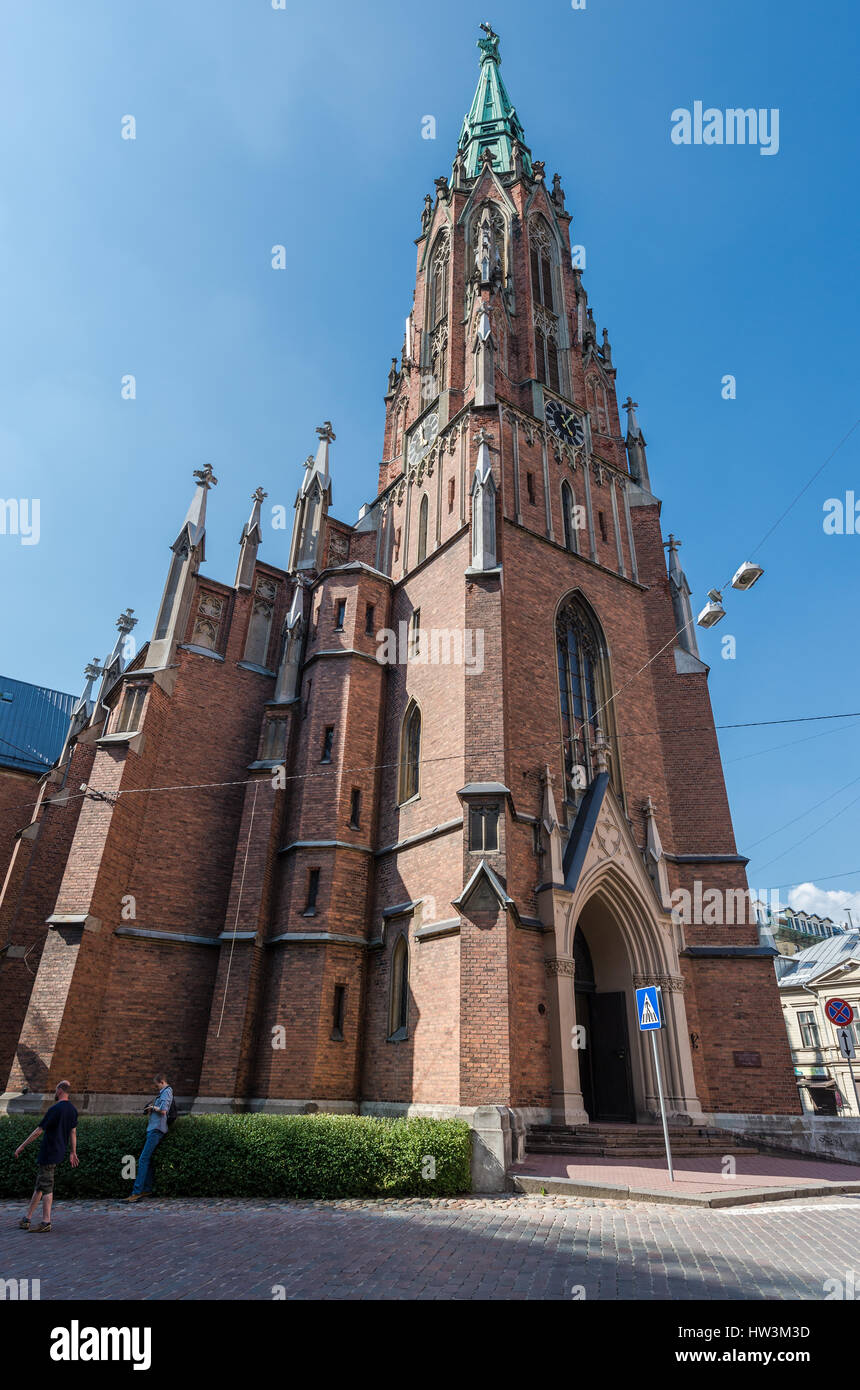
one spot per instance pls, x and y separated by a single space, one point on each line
470 1248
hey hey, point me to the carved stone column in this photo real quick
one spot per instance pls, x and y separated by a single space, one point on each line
567 1104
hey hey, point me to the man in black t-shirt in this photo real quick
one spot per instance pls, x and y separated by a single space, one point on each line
56 1127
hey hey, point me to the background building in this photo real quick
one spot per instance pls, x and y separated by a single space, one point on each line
790 930
830 968
34 722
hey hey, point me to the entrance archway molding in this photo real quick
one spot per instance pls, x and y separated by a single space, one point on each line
601 863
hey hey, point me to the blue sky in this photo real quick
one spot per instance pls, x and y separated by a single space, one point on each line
302 127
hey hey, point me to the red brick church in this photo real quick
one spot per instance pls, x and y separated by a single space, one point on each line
392 822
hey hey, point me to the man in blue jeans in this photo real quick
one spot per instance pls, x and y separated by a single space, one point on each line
155 1132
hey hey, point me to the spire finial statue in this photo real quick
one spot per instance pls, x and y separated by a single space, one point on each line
490 45
600 747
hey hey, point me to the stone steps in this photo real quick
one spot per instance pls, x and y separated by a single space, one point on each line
631 1141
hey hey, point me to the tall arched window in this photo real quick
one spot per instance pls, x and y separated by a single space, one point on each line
543 254
438 298
410 753
436 335
568 512
546 352
584 692
540 248
596 400
423 511
398 1006
399 418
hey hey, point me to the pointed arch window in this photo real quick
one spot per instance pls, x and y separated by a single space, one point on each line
436 320
398 1006
543 260
423 513
568 512
410 753
540 247
596 397
585 692
546 355
438 305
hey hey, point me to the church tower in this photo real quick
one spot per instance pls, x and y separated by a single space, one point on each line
576 765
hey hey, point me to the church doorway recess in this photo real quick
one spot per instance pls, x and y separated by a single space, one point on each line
604 1056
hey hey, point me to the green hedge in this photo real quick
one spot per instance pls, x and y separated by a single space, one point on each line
253 1156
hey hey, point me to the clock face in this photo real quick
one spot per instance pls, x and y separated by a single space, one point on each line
564 423
423 436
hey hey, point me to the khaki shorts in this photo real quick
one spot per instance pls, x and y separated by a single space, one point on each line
45 1177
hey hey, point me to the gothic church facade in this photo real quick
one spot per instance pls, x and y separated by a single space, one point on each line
393 824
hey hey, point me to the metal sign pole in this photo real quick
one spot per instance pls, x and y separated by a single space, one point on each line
846 1048
662 1104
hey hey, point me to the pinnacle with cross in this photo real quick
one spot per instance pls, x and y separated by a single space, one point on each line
125 622
325 431
206 476
258 495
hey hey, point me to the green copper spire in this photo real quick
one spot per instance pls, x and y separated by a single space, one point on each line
492 122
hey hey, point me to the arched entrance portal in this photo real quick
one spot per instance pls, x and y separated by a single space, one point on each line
605 1069
602 1067
609 930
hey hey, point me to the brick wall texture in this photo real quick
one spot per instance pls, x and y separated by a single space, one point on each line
219 912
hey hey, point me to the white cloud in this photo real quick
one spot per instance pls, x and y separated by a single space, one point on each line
826 902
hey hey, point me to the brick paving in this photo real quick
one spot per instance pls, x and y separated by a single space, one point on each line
698 1173
551 1248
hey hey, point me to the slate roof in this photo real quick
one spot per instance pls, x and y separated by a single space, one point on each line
824 955
34 722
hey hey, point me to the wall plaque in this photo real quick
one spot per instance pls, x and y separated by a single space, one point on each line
747 1059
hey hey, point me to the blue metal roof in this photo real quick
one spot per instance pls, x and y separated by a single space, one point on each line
823 956
34 722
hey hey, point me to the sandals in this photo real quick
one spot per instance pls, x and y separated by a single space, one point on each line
42 1229
24 1223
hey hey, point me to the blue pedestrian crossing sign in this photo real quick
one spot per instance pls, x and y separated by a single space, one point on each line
648 1008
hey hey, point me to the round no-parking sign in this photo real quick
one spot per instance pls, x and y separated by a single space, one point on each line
838 1011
